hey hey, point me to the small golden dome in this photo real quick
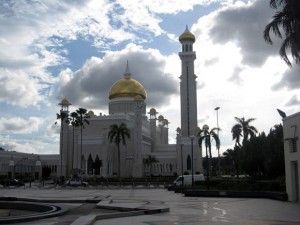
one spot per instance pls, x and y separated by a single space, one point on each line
187 36
127 87
65 102
161 118
166 122
91 113
152 110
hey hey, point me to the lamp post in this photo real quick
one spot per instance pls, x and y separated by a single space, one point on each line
207 139
192 139
181 145
219 164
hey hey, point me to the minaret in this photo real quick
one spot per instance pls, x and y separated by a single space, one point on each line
139 110
153 129
64 167
188 89
190 159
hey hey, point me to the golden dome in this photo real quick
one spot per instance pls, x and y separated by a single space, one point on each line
152 110
161 118
65 102
187 36
127 87
91 113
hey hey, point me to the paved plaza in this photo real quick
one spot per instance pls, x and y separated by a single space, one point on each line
182 210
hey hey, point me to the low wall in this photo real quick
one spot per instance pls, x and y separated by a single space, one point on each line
236 194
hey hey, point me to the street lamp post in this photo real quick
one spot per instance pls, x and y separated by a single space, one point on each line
181 145
219 164
192 139
207 139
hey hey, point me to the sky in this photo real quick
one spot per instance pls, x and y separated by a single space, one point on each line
77 49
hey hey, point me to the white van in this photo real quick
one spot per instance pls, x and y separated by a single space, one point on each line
187 179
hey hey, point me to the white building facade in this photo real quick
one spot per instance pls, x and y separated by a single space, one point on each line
89 152
291 134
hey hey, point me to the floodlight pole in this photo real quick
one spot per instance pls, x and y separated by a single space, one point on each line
219 164
192 139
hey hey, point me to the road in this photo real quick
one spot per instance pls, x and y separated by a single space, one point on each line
183 210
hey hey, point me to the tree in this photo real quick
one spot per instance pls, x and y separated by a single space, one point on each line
149 161
82 118
97 164
208 136
234 155
274 160
46 172
242 129
286 20
264 155
118 135
73 119
254 155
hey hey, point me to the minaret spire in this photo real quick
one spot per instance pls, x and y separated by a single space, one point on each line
127 74
186 28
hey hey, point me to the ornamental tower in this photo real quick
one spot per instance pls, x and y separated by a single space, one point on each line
189 155
188 89
64 167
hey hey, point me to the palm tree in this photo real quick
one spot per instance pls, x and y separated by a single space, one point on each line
149 161
287 19
73 119
118 135
242 129
62 116
81 119
208 136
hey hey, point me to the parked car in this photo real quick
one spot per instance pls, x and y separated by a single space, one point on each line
187 179
76 182
11 182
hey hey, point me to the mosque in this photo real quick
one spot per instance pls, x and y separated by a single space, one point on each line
90 152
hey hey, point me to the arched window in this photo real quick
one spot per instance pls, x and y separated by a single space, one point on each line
97 164
171 168
188 163
186 48
90 165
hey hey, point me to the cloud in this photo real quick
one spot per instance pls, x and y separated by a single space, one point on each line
19 125
290 79
236 77
28 146
17 88
211 62
89 86
244 24
53 131
293 101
